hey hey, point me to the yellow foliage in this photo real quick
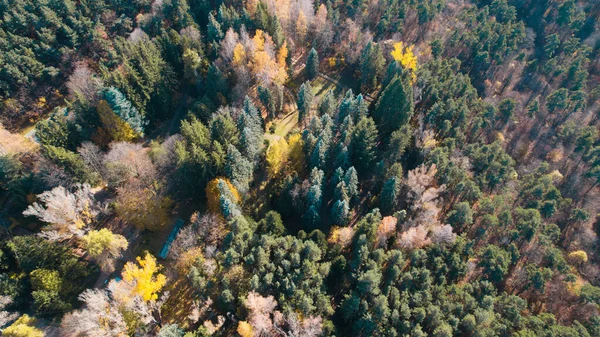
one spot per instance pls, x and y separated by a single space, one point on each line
148 282
98 242
41 102
341 235
113 127
239 54
245 329
186 261
23 327
301 27
213 195
406 58
282 55
578 257
277 155
259 40
332 61
296 152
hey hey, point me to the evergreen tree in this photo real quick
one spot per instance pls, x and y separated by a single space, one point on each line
238 169
340 212
363 145
372 65
394 107
327 105
268 100
125 110
213 30
312 64
351 181
388 199
304 102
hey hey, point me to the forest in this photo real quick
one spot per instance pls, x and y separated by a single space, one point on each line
299 168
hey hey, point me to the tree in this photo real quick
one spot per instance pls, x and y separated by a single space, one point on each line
67 212
72 164
214 32
340 212
394 107
144 207
495 262
461 215
304 102
372 65
54 131
388 198
145 278
47 288
98 317
238 169
405 57
277 156
327 105
23 327
171 330
312 64
104 246
363 145
268 100
125 110
217 189
113 127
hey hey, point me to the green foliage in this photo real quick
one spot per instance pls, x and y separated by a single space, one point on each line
72 163
312 64
394 107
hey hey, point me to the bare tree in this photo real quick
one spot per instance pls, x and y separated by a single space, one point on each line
99 317
6 316
92 156
67 212
125 162
84 84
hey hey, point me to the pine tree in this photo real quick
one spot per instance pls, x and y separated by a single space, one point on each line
389 196
214 32
238 169
327 105
339 212
363 145
312 64
394 107
351 181
268 100
125 110
372 64
304 102
251 131
318 157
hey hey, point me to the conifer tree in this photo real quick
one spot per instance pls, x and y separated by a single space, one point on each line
312 64
394 107
339 212
304 102
125 110
363 145
238 169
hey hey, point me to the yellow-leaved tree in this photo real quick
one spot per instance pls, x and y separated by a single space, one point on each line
244 329
296 152
23 327
104 246
239 55
145 277
213 194
406 57
277 155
